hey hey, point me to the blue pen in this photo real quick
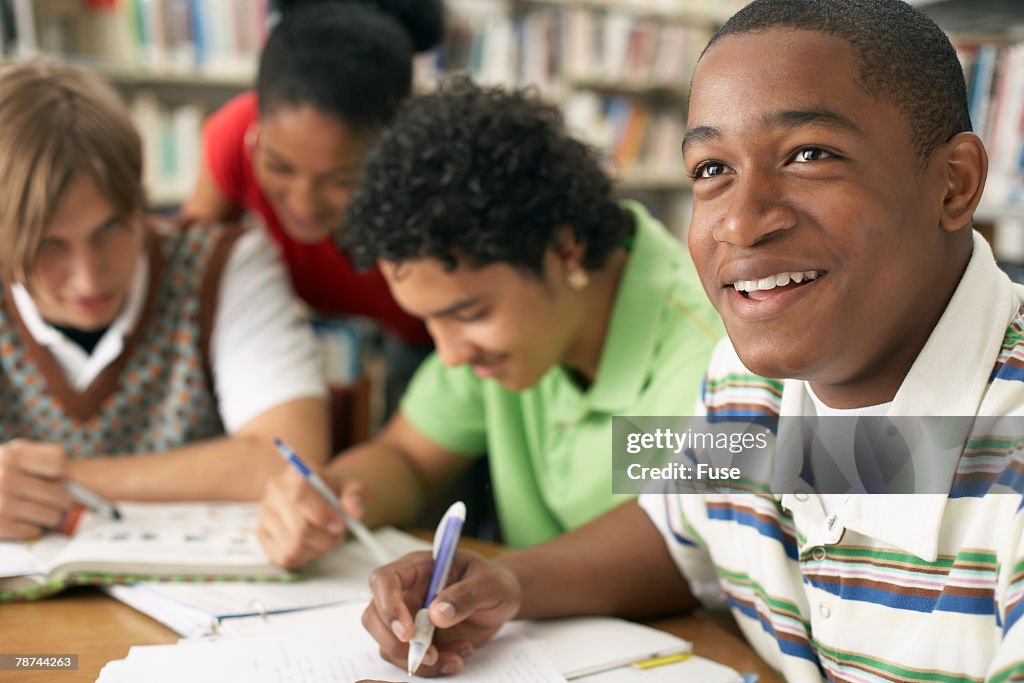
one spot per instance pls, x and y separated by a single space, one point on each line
446 540
318 484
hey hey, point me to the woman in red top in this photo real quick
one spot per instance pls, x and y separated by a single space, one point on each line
331 75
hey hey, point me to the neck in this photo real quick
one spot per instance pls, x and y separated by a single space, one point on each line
599 298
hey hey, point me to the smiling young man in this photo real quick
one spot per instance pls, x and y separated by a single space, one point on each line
835 177
119 339
553 307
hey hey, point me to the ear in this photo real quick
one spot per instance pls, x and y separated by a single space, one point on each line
252 136
965 165
567 249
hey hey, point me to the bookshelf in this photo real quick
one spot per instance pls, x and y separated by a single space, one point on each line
688 11
995 74
989 38
619 69
174 61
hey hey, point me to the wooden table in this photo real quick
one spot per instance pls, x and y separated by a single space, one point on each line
98 629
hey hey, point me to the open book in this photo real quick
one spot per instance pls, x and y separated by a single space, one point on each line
196 609
160 541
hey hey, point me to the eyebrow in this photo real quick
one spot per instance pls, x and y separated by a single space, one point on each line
352 167
700 134
793 118
457 306
114 218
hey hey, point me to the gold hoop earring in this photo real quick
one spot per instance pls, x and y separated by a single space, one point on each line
577 280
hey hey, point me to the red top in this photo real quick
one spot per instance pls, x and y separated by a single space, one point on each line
321 273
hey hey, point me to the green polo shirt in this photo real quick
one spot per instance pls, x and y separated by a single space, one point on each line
550 445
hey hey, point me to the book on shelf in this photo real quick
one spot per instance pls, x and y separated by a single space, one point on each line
551 46
642 141
620 76
171 144
160 541
18 35
995 81
636 51
215 37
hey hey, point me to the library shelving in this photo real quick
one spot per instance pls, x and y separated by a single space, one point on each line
619 69
989 37
174 61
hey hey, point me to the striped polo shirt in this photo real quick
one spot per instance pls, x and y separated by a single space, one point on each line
920 587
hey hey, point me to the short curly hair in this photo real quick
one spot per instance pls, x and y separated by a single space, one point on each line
902 56
481 176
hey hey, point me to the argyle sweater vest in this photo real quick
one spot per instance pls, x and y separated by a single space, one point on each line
158 394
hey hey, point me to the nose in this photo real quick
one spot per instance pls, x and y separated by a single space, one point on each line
452 348
756 209
87 270
304 198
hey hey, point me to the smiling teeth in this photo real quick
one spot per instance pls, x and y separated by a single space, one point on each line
773 281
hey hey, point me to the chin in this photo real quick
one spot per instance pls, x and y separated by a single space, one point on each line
89 324
774 361
307 235
510 384
515 383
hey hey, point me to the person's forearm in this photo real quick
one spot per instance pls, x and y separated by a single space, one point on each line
235 467
616 565
395 492
229 468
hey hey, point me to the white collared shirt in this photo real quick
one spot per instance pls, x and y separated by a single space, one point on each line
262 351
886 587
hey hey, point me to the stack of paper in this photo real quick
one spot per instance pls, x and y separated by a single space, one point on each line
313 658
586 649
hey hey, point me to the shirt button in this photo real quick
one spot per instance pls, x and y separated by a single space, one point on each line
818 553
824 611
831 522
801 496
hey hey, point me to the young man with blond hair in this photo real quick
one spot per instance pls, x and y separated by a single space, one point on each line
120 338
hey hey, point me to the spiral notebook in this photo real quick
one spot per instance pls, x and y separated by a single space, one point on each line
162 541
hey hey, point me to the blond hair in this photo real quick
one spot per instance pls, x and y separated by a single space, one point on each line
58 122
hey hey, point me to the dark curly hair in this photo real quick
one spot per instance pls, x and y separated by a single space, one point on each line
352 60
483 176
903 57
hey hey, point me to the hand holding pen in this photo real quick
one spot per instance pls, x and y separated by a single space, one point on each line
446 540
32 494
316 484
479 598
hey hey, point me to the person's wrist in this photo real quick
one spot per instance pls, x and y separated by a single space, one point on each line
516 577
78 470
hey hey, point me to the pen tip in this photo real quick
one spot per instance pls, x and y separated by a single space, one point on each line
417 651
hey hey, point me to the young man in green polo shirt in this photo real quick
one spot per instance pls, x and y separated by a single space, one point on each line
553 308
